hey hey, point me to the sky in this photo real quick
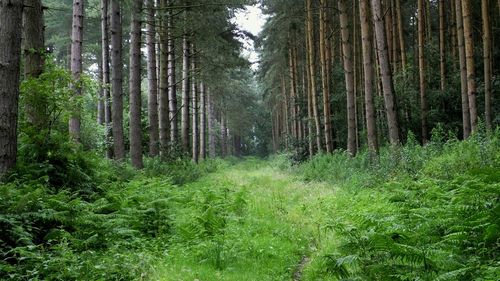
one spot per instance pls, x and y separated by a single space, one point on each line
251 19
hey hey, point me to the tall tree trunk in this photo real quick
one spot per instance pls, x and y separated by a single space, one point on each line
203 120
371 124
325 79
312 71
385 72
154 130
163 104
105 76
308 92
487 62
469 61
10 53
172 86
185 94
223 135
76 66
135 86
463 70
194 117
421 69
401 34
293 92
211 125
442 52
100 97
34 49
349 79
117 80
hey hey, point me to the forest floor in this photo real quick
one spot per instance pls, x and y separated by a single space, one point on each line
268 234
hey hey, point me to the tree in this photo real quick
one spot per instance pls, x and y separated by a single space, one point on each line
325 79
117 80
421 69
135 86
349 79
463 70
154 133
10 52
185 93
76 65
163 94
172 86
105 75
385 72
194 118
469 62
203 119
485 12
442 52
371 125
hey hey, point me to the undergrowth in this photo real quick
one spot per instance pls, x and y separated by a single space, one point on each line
414 213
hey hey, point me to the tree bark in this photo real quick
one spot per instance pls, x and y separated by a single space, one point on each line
163 93
211 125
385 72
10 53
194 117
463 70
469 61
442 52
487 62
349 79
312 71
172 86
203 120
223 135
154 130
421 69
76 67
325 79
135 86
371 124
105 76
117 80
185 94
401 34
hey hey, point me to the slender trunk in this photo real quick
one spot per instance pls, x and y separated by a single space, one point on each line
421 70
442 54
163 110
100 97
76 67
194 117
185 94
401 34
293 93
105 76
203 120
135 86
349 79
10 53
487 62
154 133
325 77
385 73
312 71
172 86
223 135
371 124
469 61
211 125
308 92
117 80
463 70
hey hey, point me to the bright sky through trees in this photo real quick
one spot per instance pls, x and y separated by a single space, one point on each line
251 19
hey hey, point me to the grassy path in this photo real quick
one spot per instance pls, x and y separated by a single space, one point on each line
256 223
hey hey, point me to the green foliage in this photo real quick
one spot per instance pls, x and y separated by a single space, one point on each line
415 213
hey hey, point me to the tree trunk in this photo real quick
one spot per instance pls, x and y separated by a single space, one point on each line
194 117
10 53
76 66
154 133
163 104
105 76
442 52
487 62
117 80
349 79
203 120
185 94
34 50
172 86
135 86
421 69
211 125
401 34
223 135
469 61
308 92
371 124
312 70
325 79
463 70
385 73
